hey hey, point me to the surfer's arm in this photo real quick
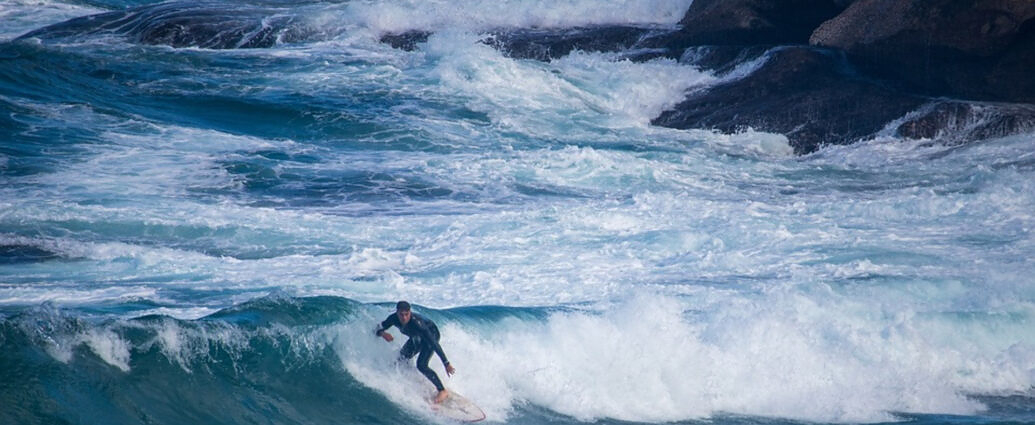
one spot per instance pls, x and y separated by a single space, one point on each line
438 349
441 355
380 331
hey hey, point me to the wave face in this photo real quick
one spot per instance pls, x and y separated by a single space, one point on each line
261 361
196 229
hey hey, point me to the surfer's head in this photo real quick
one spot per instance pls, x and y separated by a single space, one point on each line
402 309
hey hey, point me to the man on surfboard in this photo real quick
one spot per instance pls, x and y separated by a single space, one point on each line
424 338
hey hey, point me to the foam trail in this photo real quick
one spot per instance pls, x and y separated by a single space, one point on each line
646 360
479 15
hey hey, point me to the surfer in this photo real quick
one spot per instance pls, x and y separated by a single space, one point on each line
424 338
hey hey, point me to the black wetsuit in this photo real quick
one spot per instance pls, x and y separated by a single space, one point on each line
423 339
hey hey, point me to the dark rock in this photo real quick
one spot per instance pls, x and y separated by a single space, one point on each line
18 254
637 43
176 24
956 122
972 49
744 22
810 95
548 44
407 41
899 54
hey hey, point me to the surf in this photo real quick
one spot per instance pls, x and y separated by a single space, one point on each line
315 358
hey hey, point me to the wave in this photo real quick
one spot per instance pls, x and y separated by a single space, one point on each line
649 359
268 360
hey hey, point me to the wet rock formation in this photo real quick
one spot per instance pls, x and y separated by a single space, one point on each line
971 49
810 95
914 68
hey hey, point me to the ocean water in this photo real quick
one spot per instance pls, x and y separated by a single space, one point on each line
203 236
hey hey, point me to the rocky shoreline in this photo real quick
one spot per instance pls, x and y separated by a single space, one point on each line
833 72
838 71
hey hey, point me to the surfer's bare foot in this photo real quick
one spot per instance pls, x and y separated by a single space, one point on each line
442 396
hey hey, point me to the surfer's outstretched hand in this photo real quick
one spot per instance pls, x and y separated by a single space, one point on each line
450 370
387 336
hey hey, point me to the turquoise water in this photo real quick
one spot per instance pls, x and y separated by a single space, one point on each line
191 235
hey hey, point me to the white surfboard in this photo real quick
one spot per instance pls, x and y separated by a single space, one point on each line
458 407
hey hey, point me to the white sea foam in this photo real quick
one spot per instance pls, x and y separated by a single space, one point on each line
109 347
397 16
752 143
593 89
822 357
62 295
187 313
22 16
638 232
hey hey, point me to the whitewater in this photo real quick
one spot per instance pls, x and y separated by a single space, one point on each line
193 235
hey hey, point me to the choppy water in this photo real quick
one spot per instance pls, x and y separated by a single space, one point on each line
208 236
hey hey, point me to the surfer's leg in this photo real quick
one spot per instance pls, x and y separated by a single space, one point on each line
409 349
422 366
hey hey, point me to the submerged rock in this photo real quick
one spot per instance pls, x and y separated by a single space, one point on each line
956 122
177 24
548 44
810 95
406 40
18 254
544 44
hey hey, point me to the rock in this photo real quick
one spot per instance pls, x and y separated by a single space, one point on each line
957 122
971 49
744 22
810 95
20 254
636 43
548 44
407 41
